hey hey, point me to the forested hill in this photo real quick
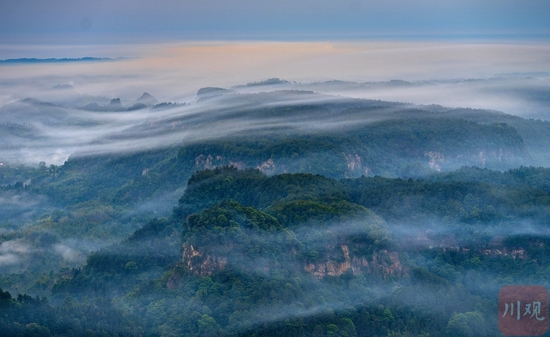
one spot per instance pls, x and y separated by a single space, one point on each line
271 214
97 198
244 244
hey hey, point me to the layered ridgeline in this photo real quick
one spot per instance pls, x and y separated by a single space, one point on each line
266 239
132 166
245 253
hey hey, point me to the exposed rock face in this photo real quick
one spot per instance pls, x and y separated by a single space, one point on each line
267 166
515 253
482 157
499 156
210 161
356 166
199 263
436 159
353 165
203 162
381 263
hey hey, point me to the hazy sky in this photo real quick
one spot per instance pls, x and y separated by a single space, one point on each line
140 21
176 47
218 37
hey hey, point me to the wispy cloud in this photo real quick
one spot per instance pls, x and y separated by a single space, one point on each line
174 72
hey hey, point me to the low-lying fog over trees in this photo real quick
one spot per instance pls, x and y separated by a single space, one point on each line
273 189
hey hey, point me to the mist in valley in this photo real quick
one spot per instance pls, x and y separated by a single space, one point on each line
93 175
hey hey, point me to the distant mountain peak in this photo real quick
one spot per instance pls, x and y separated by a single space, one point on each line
213 92
115 102
114 105
63 87
35 101
61 60
269 81
147 99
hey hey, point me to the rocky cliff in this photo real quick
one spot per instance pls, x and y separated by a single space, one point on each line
381 262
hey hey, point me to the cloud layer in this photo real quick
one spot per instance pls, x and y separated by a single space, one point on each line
513 78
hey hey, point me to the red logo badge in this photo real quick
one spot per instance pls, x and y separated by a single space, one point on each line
523 310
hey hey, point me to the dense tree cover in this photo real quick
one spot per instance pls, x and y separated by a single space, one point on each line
533 132
386 147
316 215
77 205
27 316
120 267
456 198
103 199
421 256
254 234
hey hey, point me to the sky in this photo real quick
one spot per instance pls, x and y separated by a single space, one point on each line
173 47
140 21
308 36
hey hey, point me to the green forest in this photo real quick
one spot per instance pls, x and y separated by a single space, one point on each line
405 226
